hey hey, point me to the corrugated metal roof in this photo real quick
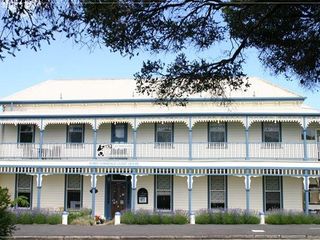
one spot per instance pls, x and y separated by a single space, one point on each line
113 89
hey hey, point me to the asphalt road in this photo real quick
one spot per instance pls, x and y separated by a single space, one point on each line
172 231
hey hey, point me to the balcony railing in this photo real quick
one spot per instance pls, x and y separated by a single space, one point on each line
159 151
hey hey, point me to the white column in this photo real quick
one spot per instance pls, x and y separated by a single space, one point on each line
190 185
190 138
247 139
93 192
306 192
39 187
247 183
133 191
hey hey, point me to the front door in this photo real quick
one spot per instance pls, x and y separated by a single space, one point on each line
118 196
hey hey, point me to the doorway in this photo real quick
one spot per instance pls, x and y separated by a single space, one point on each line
118 194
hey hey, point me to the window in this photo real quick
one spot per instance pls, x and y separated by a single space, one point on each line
163 192
26 133
217 132
271 132
24 188
164 133
218 191
314 191
272 192
73 191
75 133
311 134
119 133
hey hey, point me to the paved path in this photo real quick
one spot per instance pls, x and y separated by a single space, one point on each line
168 232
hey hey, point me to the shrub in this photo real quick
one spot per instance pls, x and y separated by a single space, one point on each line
283 217
180 219
166 219
204 218
146 217
228 217
142 218
155 219
6 220
78 214
128 218
54 219
40 218
83 221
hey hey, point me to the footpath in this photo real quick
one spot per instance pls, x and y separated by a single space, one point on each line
131 232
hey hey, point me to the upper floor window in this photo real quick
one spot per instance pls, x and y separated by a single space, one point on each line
75 133
164 132
26 133
217 132
271 132
119 132
24 188
311 134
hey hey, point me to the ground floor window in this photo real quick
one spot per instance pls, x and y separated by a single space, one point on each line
24 188
73 191
314 191
272 192
217 192
163 192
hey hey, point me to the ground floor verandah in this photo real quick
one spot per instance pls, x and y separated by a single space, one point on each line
115 188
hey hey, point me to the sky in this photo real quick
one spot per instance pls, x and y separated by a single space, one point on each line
65 60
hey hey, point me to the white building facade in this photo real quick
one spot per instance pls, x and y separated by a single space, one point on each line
72 144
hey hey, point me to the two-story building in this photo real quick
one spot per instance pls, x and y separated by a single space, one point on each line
70 144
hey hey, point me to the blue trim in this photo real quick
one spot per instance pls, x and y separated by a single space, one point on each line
129 191
265 114
107 197
141 100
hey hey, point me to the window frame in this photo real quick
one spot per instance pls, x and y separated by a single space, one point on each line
263 132
280 179
156 194
163 144
68 132
225 190
66 193
225 132
17 189
33 127
113 129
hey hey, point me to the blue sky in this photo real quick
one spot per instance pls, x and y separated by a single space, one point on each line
65 60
